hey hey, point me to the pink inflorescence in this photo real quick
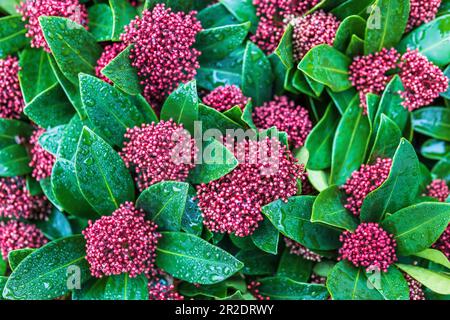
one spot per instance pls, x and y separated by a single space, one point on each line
109 53
368 74
158 152
273 17
362 182
18 235
422 11
31 10
41 160
286 116
225 97
16 202
369 246
415 288
422 80
267 171
253 288
300 250
438 189
316 279
121 243
160 291
163 50
311 30
11 99
443 243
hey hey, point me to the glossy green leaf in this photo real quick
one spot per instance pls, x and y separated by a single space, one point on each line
435 149
435 256
45 273
386 141
103 178
47 189
93 289
442 169
266 237
399 189
433 122
122 73
9 6
293 219
216 15
212 119
355 47
100 21
36 74
437 282
328 208
281 288
56 226
14 161
345 8
192 259
350 143
122 13
12 35
417 227
328 66
294 267
342 99
243 10
256 75
386 24
284 49
192 220
257 262
182 106
70 137
123 287
109 110
11 130
74 48
350 25
15 257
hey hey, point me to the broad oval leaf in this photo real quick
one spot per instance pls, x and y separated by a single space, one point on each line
100 21
435 281
435 256
386 141
435 149
15 257
122 13
243 10
433 122
12 35
294 267
123 287
14 161
266 237
282 288
257 262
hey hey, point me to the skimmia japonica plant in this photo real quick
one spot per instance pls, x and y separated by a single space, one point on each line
232 149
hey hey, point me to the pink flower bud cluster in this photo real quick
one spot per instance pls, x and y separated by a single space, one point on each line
253 288
438 189
312 30
41 160
300 250
286 116
31 10
16 202
121 243
16 235
232 204
415 288
369 246
225 97
422 11
161 291
365 180
109 53
159 152
11 99
443 243
163 52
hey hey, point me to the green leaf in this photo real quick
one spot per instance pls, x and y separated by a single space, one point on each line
192 220
11 130
293 219
122 13
9 6
350 25
355 47
328 208
15 257
216 43
45 273
74 48
50 108
122 73
3 267
437 282
256 75
392 285
350 143
164 204
123 287
56 226
442 169
12 35
109 110
192 259
67 191
175 5
328 66
281 288
433 122
342 99
431 39
182 106
216 162
344 8
212 119
386 24
266 237
47 189
319 179
70 137
14 161
284 50
36 74
320 140
346 282
243 10
294 267
435 149
399 189
216 15
100 21
103 178
435 256
417 227
257 262
144 108
386 141
93 289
